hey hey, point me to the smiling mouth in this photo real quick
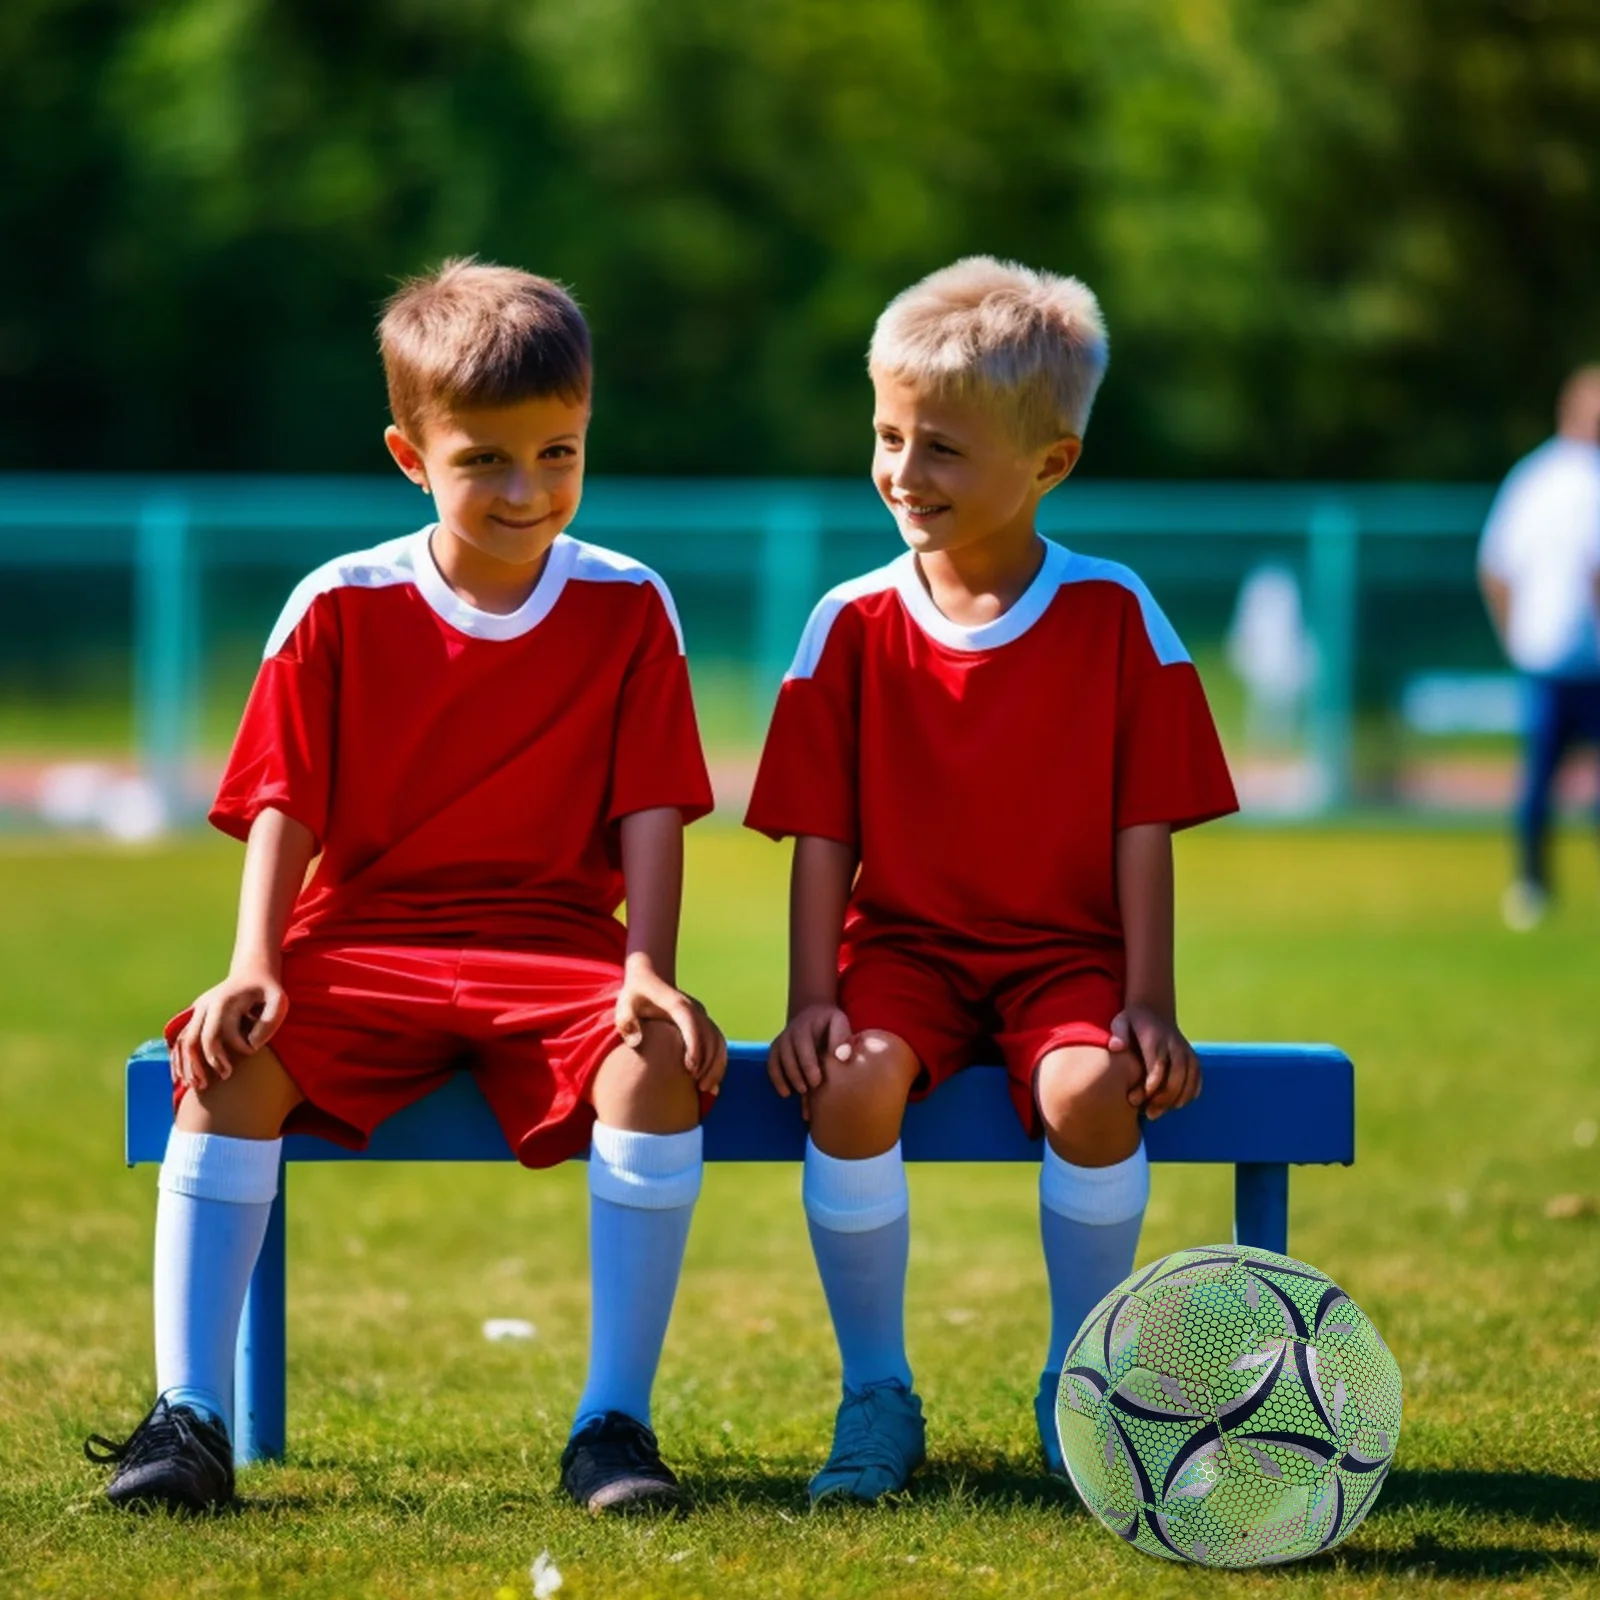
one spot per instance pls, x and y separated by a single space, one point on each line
520 527
913 510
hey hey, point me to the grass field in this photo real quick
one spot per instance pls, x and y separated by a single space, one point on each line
422 1456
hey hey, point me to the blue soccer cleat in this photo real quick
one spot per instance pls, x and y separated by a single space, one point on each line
1044 1413
879 1440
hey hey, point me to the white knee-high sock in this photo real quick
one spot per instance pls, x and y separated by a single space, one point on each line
211 1216
1089 1219
642 1190
859 1214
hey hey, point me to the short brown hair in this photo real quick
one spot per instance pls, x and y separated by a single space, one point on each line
471 334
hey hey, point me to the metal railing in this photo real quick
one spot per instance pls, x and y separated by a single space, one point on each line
788 539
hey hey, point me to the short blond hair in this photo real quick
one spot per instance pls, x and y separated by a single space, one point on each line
1031 343
471 334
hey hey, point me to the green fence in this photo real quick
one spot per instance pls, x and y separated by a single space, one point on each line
155 592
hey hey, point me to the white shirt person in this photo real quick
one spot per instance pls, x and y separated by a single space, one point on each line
1539 569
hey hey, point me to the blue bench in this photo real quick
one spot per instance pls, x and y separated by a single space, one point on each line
1265 1108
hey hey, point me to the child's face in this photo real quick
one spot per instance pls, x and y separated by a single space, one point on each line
952 472
505 480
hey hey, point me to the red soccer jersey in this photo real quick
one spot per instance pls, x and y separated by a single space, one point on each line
463 771
983 773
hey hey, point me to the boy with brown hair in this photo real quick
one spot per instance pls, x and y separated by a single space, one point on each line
479 739
981 752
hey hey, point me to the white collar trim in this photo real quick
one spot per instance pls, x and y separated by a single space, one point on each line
1030 605
468 619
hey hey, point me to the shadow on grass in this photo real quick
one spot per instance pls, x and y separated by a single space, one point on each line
1430 1558
1537 1496
781 1487
998 1484
1540 1497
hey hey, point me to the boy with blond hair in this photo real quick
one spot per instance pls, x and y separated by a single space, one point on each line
479 738
981 753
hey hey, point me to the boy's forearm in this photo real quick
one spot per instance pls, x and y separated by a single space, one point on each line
276 856
652 874
819 891
1144 897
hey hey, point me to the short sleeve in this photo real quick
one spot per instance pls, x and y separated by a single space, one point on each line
807 780
1169 762
282 756
656 759
1495 553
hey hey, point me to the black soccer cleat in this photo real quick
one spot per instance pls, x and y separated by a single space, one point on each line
177 1458
613 1463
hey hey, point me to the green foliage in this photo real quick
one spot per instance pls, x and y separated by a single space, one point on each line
1332 238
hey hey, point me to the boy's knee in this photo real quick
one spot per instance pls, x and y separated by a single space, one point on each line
252 1102
1083 1090
880 1067
648 1087
856 1110
661 1050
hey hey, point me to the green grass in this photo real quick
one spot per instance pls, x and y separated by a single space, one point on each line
422 1457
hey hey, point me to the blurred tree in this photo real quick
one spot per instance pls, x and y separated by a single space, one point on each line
1331 238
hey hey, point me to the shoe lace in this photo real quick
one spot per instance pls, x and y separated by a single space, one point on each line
620 1441
860 1441
164 1428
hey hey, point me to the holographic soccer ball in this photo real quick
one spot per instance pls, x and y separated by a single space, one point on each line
1230 1407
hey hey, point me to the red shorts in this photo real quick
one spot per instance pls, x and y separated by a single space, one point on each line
957 1011
371 1028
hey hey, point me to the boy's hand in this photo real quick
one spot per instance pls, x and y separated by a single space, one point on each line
645 997
815 1035
1171 1072
231 1021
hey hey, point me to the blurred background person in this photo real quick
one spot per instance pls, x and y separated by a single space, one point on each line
1272 654
1539 569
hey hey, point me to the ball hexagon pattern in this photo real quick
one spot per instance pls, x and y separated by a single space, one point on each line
1230 1407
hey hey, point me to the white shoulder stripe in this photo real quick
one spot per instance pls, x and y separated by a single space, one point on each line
594 564
378 568
1061 567
1163 636
815 636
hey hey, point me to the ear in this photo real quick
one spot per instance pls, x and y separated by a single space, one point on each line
406 456
1057 460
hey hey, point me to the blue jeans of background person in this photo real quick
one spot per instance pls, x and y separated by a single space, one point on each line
1559 713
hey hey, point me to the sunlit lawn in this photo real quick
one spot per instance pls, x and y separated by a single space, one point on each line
422 1457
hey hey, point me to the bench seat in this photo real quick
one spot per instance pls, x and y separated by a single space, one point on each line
1266 1107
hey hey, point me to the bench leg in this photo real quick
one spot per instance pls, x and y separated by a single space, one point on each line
259 1383
1261 1205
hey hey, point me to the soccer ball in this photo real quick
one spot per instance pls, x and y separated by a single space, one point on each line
1230 1407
